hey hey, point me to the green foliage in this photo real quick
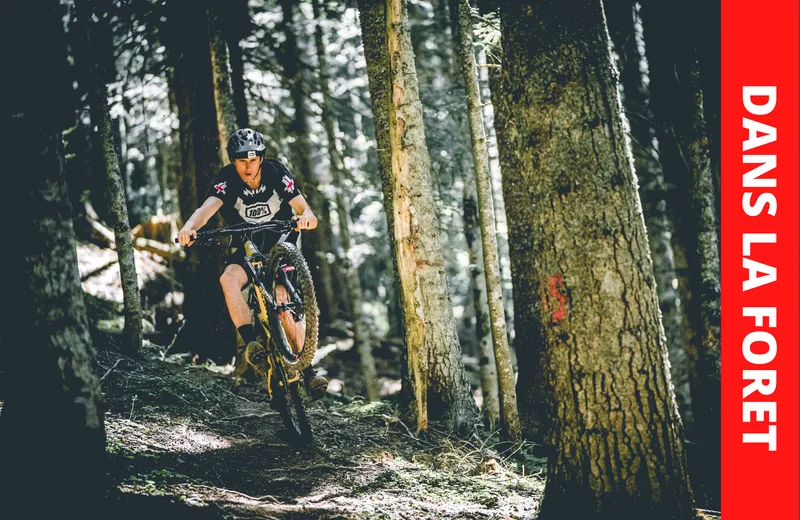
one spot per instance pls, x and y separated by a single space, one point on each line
486 31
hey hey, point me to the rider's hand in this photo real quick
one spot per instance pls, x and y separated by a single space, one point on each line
186 237
304 222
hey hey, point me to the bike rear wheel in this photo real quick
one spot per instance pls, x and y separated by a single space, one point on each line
287 401
287 267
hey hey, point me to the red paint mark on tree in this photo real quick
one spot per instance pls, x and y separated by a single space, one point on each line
556 286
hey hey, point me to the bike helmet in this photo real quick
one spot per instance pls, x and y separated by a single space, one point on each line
246 143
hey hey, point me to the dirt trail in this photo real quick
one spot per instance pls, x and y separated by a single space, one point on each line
182 444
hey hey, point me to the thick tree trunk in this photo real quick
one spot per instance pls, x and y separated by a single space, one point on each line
314 244
621 16
52 437
103 140
480 154
372 17
208 331
587 311
435 368
360 332
223 87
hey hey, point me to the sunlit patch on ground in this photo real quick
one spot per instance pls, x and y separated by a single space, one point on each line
159 437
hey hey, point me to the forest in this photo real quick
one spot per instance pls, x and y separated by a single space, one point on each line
510 280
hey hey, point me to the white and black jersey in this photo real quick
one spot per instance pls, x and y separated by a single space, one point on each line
270 201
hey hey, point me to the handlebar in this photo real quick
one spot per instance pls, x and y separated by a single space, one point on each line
275 226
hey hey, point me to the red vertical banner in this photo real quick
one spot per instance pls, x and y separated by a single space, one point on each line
760 260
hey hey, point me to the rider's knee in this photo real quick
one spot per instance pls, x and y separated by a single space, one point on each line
227 280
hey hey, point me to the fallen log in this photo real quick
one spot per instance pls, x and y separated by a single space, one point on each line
159 248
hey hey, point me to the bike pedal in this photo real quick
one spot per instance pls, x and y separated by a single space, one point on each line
256 356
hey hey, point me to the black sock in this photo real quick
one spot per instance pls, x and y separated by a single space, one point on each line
248 332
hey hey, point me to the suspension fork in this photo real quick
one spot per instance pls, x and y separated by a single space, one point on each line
295 296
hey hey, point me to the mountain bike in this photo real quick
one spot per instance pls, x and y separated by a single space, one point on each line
284 266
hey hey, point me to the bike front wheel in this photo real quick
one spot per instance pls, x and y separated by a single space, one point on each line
287 401
292 288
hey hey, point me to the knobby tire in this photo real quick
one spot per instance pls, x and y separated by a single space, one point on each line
288 253
287 401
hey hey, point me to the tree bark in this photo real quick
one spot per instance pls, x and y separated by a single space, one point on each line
435 369
587 310
103 140
621 16
494 117
313 244
52 434
488 367
480 154
705 274
223 87
677 104
235 27
464 165
360 331
208 331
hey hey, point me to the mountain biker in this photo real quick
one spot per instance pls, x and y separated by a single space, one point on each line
255 190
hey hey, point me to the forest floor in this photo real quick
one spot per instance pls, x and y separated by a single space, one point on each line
183 442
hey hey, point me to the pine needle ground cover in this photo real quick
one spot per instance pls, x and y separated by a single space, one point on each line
184 442
181 441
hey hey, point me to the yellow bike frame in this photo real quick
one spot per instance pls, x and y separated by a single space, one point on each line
263 318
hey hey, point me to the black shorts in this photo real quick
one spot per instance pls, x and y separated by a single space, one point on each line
264 244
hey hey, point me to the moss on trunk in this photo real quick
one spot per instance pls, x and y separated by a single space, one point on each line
586 306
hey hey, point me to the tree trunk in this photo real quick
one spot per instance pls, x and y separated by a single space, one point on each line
52 435
435 369
103 140
494 115
235 26
483 334
360 330
488 366
621 16
705 274
677 104
372 17
223 87
314 244
587 310
480 154
208 331
706 29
